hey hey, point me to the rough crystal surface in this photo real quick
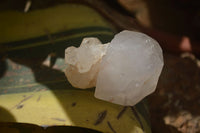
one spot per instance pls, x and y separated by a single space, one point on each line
83 62
130 69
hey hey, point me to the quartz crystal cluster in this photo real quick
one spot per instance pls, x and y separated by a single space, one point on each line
123 71
83 62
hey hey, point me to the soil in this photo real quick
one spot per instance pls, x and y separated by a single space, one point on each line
175 106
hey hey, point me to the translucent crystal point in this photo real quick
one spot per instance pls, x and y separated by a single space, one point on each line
130 69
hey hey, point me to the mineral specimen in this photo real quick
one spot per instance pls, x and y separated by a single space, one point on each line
83 62
124 72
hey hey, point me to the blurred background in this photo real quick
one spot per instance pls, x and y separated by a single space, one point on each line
175 24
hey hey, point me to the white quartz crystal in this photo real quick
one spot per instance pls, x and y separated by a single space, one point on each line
130 69
83 62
